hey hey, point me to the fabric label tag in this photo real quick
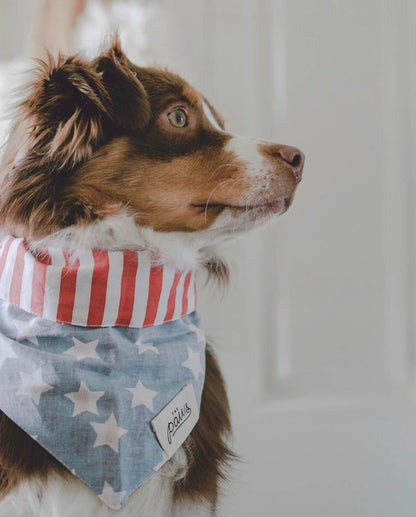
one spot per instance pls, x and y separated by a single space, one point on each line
176 420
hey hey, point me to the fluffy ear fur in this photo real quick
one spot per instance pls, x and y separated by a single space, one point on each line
130 104
71 108
66 106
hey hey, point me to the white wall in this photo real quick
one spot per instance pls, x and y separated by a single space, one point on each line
15 24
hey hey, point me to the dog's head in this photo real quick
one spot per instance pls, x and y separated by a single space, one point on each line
104 141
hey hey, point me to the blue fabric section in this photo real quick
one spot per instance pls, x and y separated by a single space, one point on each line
60 383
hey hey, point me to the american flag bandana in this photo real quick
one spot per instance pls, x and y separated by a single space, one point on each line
102 360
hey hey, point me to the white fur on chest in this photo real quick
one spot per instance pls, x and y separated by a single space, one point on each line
60 497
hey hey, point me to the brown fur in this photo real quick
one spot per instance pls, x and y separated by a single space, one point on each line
194 97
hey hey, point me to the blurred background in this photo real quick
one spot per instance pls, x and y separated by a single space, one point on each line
316 336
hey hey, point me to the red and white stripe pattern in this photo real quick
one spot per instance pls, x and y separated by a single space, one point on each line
96 288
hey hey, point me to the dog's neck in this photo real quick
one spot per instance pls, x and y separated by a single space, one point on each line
181 250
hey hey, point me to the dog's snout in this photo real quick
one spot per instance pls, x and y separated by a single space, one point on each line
290 155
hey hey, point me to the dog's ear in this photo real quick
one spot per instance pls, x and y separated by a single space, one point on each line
64 111
70 109
72 106
130 107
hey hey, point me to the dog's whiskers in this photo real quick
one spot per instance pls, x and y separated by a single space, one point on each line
222 184
224 165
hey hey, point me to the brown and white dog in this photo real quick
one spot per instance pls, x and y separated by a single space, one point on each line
108 155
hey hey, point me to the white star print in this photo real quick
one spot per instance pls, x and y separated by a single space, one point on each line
144 347
28 329
193 363
33 385
82 350
142 396
200 333
110 497
6 350
84 399
108 433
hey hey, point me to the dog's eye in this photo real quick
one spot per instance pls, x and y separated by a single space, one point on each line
178 118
